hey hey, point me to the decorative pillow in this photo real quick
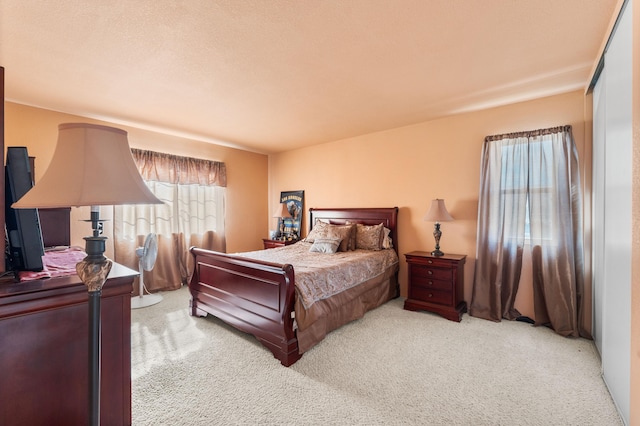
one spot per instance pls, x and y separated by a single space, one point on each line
369 237
344 233
354 231
387 242
318 231
325 245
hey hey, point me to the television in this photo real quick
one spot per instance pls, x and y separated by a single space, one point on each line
22 226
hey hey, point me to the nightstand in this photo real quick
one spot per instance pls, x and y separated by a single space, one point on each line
436 284
277 243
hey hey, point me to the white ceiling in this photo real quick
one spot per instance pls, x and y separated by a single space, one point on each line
274 75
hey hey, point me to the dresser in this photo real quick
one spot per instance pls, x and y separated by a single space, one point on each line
44 351
436 284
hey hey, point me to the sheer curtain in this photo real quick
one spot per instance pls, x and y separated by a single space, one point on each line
530 193
193 191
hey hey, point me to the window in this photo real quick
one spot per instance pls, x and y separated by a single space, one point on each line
188 209
193 191
519 182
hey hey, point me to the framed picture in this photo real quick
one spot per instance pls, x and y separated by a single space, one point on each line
295 205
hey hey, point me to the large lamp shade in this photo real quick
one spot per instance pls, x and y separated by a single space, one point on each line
437 212
91 166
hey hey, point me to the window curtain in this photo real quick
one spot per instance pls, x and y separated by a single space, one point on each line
530 193
193 192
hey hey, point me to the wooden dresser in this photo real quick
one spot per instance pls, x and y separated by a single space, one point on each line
436 284
44 351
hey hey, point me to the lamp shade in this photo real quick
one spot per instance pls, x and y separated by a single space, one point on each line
438 212
282 211
91 166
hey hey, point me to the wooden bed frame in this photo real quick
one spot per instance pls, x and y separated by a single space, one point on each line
258 297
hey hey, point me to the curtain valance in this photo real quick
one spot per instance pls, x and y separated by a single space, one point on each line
160 167
530 133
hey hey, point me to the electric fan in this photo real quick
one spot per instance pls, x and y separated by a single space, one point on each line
147 258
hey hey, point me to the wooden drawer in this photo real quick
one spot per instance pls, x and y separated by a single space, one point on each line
277 243
272 244
430 284
442 297
431 273
437 262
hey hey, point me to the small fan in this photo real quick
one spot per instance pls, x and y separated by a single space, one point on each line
147 258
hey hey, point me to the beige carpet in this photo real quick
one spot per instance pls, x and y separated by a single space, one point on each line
393 367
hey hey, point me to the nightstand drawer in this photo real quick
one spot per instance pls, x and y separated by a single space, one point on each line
429 283
429 272
268 244
441 297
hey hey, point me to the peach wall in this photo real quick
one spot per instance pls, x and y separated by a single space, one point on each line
409 166
246 207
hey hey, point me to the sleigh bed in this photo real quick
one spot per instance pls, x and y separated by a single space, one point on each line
259 296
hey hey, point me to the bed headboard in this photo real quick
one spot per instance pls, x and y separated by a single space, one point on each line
366 216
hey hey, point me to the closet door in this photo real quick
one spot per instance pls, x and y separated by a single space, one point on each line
597 215
612 154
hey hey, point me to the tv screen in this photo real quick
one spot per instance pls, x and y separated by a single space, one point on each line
24 248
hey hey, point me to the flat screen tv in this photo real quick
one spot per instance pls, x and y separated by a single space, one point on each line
24 236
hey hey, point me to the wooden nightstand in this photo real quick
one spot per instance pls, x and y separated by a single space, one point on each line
277 243
436 284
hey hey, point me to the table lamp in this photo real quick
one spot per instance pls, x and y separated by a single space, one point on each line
92 166
282 212
437 213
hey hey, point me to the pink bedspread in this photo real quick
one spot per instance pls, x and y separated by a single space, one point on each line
56 263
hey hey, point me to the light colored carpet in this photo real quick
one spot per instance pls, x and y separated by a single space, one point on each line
393 367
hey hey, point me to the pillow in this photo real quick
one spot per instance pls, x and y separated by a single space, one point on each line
344 233
354 230
369 237
387 242
325 245
317 232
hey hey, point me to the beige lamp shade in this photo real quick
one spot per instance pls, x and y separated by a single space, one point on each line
91 166
438 212
282 211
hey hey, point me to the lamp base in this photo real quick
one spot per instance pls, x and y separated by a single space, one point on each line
436 235
93 271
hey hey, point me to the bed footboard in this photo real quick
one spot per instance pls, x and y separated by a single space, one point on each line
253 296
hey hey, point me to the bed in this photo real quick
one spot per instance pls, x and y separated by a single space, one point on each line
259 296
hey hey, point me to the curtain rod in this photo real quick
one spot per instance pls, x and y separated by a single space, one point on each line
530 133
